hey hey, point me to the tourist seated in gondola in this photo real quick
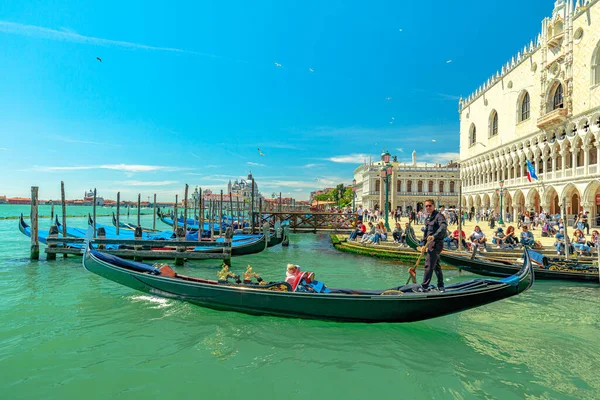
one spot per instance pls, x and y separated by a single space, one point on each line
579 242
527 239
499 237
303 281
478 239
360 230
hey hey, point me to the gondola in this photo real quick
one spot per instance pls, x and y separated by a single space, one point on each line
547 268
190 226
399 304
42 234
128 226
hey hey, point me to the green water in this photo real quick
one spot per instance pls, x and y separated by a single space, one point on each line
68 334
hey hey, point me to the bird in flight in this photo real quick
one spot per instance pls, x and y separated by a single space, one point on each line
388 98
433 140
277 64
260 153
448 62
393 118
311 70
99 59
400 30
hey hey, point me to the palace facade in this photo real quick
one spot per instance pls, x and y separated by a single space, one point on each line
409 185
542 106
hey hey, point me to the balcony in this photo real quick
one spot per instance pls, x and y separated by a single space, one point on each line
552 118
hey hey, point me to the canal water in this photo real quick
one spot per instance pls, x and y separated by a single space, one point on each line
68 334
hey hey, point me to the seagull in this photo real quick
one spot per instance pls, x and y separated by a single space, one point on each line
400 30
260 153
433 140
388 98
448 62
99 59
277 64
393 118
311 70
391 122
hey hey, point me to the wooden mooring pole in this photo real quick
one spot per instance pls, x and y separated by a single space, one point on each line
201 211
252 209
94 211
175 216
154 214
118 210
221 232
52 211
139 209
64 213
35 244
185 209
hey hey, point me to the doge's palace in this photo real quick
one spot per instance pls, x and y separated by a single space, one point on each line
543 106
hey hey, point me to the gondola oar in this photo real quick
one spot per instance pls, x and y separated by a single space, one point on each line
413 270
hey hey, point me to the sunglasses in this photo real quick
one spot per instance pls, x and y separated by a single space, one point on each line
428 205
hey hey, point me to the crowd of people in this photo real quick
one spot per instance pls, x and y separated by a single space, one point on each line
369 229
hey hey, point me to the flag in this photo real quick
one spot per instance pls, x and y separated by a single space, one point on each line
530 171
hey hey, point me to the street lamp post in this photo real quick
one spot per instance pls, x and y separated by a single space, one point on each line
353 195
501 193
386 173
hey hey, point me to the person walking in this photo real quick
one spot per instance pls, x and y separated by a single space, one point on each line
433 238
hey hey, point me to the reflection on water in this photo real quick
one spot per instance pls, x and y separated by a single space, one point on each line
65 331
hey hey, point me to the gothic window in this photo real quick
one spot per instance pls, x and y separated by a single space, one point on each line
409 186
525 107
430 187
377 185
441 187
472 135
580 157
420 186
592 152
557 97
398 186
596 66
451 186
493 123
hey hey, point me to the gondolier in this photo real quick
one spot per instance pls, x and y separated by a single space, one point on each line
433 237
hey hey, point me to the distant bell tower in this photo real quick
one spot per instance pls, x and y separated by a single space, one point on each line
414 158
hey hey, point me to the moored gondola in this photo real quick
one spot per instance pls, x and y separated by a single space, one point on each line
399 304
546 269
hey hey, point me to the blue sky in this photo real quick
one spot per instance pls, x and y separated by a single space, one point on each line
188 92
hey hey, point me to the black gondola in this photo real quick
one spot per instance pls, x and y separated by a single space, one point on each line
549 268
399 304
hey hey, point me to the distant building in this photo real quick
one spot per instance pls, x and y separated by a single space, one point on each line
3 200
409 186
88 199
243 188
18 200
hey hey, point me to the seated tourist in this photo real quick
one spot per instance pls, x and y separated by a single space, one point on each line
579 242
463 238
407 229
478 239
397 233
527 239
499 237
510 240
292 273
359 231
559 242
371 234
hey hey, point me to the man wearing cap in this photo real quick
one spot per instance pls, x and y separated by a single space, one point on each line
559 242
433 238
498 238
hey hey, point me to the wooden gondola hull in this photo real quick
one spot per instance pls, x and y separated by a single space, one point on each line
361 307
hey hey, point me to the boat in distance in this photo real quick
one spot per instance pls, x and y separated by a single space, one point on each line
546 268
400 304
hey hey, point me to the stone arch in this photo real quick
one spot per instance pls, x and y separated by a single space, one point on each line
472 135
493 124
486 203
518 201
573 198
555 95
595 77
550 200
533 201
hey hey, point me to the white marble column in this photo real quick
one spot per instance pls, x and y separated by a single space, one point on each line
586 159
574 159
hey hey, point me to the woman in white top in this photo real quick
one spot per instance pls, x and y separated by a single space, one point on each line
478 238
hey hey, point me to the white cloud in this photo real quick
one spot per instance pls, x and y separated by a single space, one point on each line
142 183
311 165
253 164
436 158
349 159
113 167
400 150
69 140
70 36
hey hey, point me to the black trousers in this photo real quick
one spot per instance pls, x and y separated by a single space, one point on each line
432 264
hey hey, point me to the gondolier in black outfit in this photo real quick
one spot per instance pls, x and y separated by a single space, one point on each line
434 234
